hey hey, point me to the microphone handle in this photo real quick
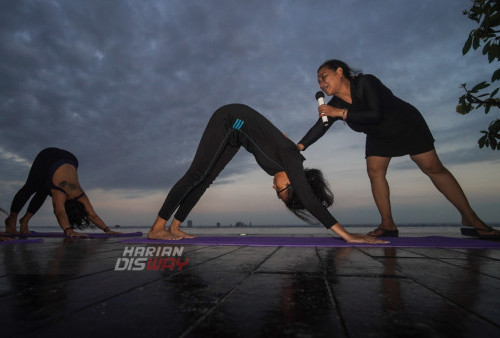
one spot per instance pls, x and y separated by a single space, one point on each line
323 118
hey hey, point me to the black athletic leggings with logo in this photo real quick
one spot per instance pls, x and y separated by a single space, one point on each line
231 127
213 154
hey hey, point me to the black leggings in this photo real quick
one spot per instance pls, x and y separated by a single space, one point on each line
39 178
213 154
24 194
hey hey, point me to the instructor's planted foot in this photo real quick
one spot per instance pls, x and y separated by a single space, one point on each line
482 233
381 232
479 229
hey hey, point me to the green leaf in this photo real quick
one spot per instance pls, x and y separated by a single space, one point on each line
479 86
476 42
493 142
495 19
493 53
486 48
496 75
467 45
494 126
493 93
482 141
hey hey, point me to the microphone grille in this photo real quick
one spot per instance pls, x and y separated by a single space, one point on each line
319 94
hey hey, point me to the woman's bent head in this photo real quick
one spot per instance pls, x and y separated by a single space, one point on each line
320 189
77 215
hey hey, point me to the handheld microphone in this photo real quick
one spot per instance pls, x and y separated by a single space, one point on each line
321 100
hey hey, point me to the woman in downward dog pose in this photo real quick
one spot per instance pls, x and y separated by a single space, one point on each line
54 173
393 127
229 128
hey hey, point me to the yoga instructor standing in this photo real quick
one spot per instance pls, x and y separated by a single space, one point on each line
393 128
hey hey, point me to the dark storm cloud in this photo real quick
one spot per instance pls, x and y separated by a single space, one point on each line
128 86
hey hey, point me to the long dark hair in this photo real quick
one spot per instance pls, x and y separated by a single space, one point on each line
333 64
77 215
320 189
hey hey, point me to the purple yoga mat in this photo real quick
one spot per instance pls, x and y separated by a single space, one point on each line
22 241
400 242
89 235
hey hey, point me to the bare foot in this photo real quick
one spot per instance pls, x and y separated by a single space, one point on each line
10 225
3 238
180 233
162 234
23 225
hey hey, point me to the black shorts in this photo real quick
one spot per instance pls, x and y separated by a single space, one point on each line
417 141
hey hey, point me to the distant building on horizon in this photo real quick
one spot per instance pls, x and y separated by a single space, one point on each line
240 224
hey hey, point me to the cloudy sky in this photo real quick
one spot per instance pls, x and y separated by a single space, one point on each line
128 87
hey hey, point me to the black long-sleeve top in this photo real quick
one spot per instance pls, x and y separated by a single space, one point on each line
374 110
274 152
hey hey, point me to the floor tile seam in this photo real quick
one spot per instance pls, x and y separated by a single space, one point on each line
312 274
190 267
372 276
466 309
483 274
400 273
413 250
336 305
381 260
333 299
102 300
445 260
147 283
364 251
367 275
60 281
396 257
473 253
70 313
227 295
457 250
